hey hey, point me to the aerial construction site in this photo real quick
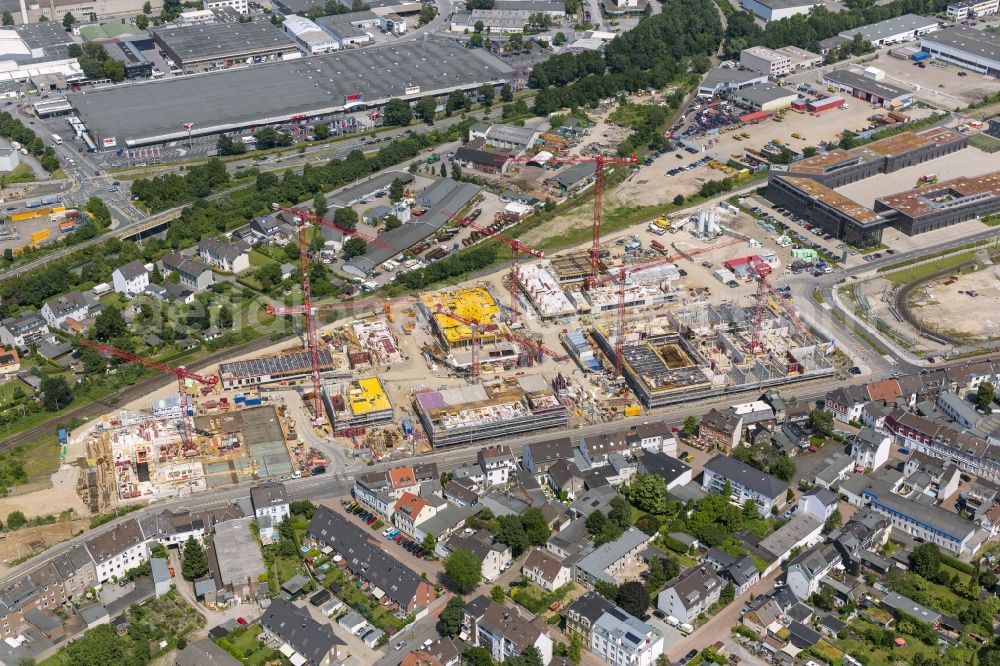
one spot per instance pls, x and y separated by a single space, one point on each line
628 325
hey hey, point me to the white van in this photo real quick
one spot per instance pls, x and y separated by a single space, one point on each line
672 621
686 629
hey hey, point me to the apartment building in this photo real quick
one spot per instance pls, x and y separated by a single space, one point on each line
621 639
130 279
690 593
119 549
746 483
270 507
73 305
504 631
23 331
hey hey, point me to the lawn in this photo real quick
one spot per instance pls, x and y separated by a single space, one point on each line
364 603
537 600
259 260
22 173
287 568
911 274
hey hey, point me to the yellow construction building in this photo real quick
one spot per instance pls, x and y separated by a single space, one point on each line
358 402
469 305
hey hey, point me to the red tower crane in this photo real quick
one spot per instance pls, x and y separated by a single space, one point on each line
599 162
516 247
181 373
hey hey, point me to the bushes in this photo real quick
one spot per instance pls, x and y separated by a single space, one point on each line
13 129
460 264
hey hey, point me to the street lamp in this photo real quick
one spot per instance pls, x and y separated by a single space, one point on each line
188 127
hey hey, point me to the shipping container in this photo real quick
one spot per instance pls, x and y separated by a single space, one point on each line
920 55
63 438
407 425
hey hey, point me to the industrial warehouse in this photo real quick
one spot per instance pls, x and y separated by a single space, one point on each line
153 112
200 48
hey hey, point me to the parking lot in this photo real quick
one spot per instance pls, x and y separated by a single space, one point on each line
399 546
937 82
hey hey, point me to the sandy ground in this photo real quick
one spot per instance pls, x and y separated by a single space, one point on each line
61 496
947 307
31 540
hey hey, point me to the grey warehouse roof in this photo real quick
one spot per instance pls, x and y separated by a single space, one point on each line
152 111
891 27
977 43
221 40
764 93
853 79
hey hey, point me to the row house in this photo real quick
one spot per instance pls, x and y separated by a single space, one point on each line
228 257
497 463
364 556
379 491
970 453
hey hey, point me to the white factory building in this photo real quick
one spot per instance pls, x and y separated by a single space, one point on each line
766 61
905 28
774 10
965 9
966 47
309 36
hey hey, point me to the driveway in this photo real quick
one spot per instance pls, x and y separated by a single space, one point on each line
718 626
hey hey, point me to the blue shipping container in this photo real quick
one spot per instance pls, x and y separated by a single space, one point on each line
407 426
252 402
922 55
240 399
62 435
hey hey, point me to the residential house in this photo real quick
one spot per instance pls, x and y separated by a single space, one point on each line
161 575
621 639
691 593
462 492
23 331
673 472
836 469
743 574
130 279
818 502
583 614
265 227
846 403
77 571
609 562
958 409
763 616
805 571
72 305
497 462
565 477
227 257
870 448
179 292
924 521
10 363
970 453
205 653
924 475
495 556
270 500
191 272
380 490
505 631
597 448
314 643
118 550
746 483
722 429
545 570
537 457
656 437
802 531
410 511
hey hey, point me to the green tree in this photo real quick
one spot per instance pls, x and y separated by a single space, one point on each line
925 560
225 317
464 569
783 468
397 112
596 523
427 14
266 137
147 8
194 564
655 576
141 21
985 395
429 543
444 170
450 620
396 190
16 520
620 513
487 93
346 218
497 594
56 393
559 39
321 131
506 93
354 247
633 597
727 595
679 200
392 222
110 324
320 205
648 492
512 534
821 422
456 101
690 426
68 20
8 18
536 528
475 41
515 43
833 522
476 656
426 108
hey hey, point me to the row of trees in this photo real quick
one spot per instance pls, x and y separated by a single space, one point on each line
808 30
13 129
163 192
96 63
